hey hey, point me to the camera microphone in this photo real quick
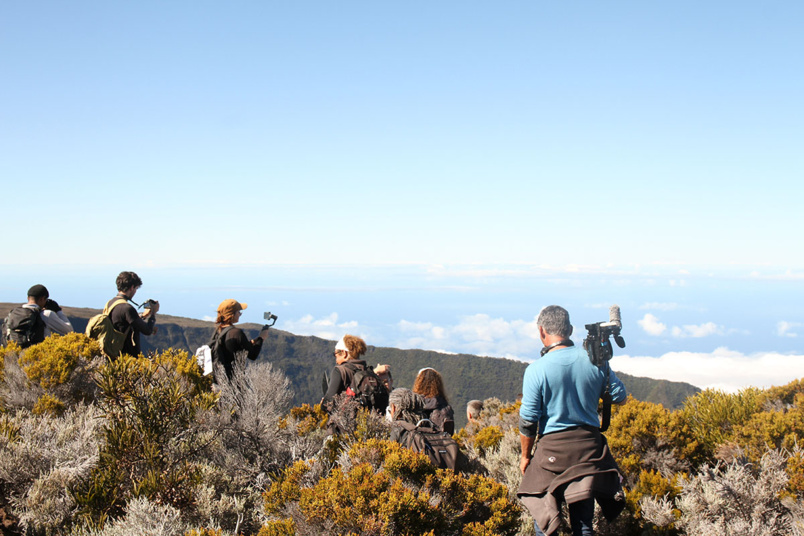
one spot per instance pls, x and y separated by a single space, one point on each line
614 318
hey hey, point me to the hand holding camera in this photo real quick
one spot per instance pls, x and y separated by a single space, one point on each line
151 308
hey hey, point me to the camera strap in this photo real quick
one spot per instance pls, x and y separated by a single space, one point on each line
606 397
564 342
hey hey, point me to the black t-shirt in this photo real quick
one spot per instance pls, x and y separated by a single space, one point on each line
125 316
234 341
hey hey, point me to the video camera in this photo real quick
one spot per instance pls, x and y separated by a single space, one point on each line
597 343
271 318
598 346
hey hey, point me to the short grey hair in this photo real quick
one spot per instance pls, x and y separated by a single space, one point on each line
408 405
473 408
555 321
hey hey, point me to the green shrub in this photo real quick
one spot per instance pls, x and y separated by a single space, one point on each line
151 436
713 415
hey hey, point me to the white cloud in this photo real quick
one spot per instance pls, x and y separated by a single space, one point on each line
784 329
476 334
722 369
651 325
208 318
327 327
703 330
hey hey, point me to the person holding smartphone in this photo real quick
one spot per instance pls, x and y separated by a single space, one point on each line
230 340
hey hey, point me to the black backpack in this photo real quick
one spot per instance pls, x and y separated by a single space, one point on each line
217 342
24 326
365 386
426 438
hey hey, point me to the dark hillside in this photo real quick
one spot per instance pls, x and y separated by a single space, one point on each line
305 360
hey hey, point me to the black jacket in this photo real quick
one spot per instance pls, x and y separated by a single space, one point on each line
235 341
440 413
124 317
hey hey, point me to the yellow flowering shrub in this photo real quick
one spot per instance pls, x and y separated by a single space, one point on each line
48 405
52 362
651 484
770 429
636 427
390 490
510 408
204 532
287 488
488 438
280 527
307 418
9 429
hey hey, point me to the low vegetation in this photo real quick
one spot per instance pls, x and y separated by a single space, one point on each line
147 446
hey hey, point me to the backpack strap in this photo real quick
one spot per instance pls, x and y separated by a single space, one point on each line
606 397
107 310
347 371
220 334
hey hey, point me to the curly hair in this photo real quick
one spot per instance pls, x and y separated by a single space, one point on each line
429 384
409 406
356 346
126 280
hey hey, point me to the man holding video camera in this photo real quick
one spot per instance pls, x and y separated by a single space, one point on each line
124 316
572 461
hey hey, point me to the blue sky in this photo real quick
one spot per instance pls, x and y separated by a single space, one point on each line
316 139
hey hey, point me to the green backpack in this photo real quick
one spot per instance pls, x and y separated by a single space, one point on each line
100 327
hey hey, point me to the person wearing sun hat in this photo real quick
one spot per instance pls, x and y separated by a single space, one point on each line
232 339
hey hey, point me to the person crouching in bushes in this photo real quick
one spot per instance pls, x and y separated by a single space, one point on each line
411 429
405 405
229 340
430 385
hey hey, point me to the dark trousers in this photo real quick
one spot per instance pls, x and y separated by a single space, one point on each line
582 516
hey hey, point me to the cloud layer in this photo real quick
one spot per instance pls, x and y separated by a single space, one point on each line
481 334
721 369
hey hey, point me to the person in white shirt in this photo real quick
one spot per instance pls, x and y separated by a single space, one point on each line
55 319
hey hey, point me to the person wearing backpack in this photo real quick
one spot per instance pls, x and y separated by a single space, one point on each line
24 325
352 376
124 316
229 340
430 385
411 428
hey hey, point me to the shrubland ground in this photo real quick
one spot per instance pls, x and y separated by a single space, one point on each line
144 446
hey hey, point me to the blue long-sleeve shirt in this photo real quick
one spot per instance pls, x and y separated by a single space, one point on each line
561 390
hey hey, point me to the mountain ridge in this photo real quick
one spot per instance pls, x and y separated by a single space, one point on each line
305 359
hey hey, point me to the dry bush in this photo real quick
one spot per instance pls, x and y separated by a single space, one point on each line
16 390
249 440
739 498
44 458
142 518
251 406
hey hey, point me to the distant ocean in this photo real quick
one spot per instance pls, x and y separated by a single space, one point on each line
488 310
